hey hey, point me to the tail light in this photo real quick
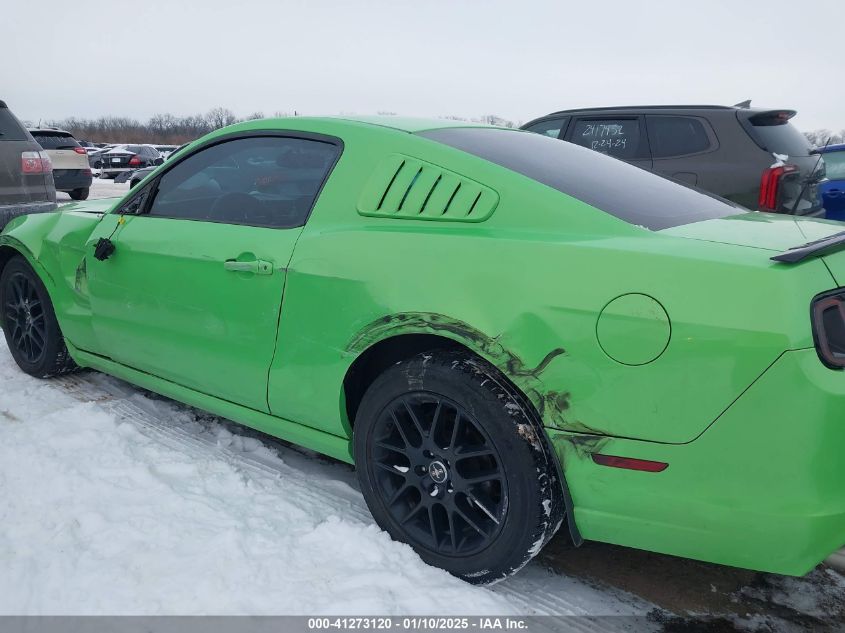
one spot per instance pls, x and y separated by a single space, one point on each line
828 314
80 150
135 161
35 163
770 185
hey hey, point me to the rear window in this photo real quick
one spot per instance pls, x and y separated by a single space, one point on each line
774 133
55 140
613 186
10 128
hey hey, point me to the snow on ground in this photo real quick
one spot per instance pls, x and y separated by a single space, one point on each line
100 188
116 501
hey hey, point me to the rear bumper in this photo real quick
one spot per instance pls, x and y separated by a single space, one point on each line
116 170
70 179
7 212
763 488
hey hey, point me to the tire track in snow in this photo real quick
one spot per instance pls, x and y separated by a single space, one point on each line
318 480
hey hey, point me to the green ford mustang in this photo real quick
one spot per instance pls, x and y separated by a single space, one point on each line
504 332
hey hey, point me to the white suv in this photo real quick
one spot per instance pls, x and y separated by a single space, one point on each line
71 170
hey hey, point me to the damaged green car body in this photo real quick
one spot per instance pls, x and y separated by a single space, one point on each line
669 364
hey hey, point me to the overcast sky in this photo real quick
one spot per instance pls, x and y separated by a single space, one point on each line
515 58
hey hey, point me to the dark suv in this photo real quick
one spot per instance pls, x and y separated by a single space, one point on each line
26 174
754 157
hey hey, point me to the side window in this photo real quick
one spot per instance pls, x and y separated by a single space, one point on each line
676 136
136 203
617 137
550 127
267 181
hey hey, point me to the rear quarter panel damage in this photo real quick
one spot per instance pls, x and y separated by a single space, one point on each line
524 290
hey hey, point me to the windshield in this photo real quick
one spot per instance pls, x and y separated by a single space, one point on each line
835 165
611 185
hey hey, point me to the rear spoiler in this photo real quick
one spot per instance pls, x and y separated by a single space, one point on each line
812 249
770 117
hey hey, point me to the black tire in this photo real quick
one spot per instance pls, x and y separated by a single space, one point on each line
477 498
29 322
80 194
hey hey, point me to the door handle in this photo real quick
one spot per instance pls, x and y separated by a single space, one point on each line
256 266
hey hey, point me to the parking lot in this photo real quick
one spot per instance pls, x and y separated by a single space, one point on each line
426 317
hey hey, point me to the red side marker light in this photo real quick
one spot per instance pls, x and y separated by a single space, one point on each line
630 463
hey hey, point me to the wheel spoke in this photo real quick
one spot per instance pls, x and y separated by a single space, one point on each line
37 337
470 522
413 512
435 420
474 452
455 431
18 288
396 470
37 326
390 447
399 492
433 527
480 479
482 507
452 534
414 419
400 429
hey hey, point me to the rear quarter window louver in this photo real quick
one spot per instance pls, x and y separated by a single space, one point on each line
407 188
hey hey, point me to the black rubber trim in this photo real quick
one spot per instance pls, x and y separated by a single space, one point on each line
811 249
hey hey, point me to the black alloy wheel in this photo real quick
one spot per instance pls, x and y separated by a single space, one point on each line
24 317
453 460
438 474
29 322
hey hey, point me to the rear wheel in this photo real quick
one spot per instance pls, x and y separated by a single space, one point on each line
80 194
452 461
29 322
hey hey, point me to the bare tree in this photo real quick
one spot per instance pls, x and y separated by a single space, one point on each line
220 117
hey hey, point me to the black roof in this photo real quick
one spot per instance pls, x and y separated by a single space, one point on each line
647 107
3 104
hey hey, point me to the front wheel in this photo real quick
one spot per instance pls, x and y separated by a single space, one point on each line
29 322
452 461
